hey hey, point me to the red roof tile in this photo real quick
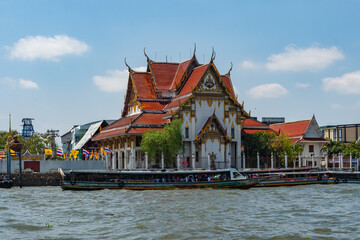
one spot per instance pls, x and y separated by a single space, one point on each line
193 80
141 130
292 129
180 72
250 122
228 85
152 105
151 118
115 129
164 74
176 102
144 86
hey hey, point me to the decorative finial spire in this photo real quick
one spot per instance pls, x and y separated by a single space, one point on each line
194 50
130 70
228 73
213 54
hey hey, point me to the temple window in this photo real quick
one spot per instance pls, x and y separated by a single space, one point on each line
311 148
232 132
186 132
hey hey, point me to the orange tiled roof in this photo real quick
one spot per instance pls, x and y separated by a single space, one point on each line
292 129
228 85
180 72
164 74
144 86
116 129
152 105
193 80
151 119
251 131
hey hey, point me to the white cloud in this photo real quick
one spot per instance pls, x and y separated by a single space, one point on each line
28 84
299 59
15 83
272 90
302 85
249 65
335 106
48 48
348 83
115 80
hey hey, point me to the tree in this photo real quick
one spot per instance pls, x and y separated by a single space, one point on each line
258 142
34 144
169 141
334 147
353 148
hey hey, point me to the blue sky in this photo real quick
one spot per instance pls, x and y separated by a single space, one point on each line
62 62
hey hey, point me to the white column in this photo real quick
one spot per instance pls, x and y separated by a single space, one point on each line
243 161
305 162
228 157
126 156
258 160
222 155
350 160
326 160
106 161
238 154
209 162
286 160
357 165
192 155
162 161
299 157
146 160
113 160
341 160
132 159
312 160
333 158
178 161
203 155
272 160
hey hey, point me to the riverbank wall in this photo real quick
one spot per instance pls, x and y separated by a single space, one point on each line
48 166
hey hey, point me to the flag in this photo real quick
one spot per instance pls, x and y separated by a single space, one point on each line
85 152
107 150
92 154
102 150
96 155
59 152
1 159
48 151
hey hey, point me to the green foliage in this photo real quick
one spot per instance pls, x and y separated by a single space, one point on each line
334 147
353 148
258 142
34 144
282 144
168 141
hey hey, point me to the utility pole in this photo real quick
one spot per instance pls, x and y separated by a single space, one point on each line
52 134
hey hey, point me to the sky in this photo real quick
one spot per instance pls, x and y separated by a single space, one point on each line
62 62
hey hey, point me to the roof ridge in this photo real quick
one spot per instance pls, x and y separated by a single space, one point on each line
276 124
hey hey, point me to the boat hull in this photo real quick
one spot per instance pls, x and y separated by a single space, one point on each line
292 182
84 185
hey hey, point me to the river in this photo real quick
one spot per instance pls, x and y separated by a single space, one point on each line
298 212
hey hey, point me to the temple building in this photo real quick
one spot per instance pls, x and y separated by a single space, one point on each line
197 94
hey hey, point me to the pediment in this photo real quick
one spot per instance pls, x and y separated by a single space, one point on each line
210 83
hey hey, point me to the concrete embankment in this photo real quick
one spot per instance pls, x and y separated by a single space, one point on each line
38 179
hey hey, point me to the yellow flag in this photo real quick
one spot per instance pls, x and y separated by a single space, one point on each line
102 150
96 155
92 154
48 151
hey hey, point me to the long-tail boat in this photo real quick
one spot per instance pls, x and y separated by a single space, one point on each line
155 179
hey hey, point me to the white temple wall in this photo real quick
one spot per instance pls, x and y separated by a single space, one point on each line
204 111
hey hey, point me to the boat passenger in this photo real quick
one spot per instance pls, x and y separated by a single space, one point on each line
163 180
209 179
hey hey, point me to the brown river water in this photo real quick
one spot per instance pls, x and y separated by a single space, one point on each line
298 212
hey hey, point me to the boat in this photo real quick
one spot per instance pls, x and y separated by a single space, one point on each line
344 176
5 182
289 177
155 179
